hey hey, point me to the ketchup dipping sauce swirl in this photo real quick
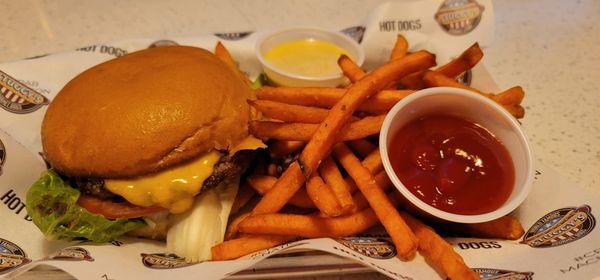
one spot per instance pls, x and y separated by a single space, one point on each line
452 164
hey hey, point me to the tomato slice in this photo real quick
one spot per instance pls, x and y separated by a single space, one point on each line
115 210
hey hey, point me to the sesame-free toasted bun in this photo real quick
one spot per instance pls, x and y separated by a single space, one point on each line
144 112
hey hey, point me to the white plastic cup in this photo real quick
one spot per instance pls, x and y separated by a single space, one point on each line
285 78
472 107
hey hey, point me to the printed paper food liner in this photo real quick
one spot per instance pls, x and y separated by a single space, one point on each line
561 241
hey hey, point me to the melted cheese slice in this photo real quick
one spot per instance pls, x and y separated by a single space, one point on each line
173 189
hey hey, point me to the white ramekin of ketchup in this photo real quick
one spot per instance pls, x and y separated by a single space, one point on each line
456 155
306 56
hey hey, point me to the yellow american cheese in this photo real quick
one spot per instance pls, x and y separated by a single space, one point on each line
173 189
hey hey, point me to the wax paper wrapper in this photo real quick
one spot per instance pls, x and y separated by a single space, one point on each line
561 241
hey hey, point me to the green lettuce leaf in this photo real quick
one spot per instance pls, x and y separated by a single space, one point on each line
52 205
260 81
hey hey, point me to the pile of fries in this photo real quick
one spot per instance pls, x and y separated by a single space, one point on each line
332 167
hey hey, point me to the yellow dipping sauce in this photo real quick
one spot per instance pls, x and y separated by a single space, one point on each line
173 189
308 57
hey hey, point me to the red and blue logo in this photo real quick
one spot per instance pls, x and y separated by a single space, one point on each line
11 256
560 227
18 98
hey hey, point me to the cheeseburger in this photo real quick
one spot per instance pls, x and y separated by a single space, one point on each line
150 144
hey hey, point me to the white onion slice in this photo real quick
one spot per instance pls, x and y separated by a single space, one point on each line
193 233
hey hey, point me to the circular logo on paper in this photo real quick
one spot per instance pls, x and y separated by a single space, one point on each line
373 247
560 227
72 254
355 32
501 274
163 261
163 43
18 98
233 36
459 17
11 256
465 78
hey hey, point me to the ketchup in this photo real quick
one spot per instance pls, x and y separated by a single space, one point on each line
452 164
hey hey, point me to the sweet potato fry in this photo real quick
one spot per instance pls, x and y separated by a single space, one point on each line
435 79
511 96
511 99
503 228
303 132
351 185
233 226
244 194
384 183
263 184
400 48
239 247
333 177
302 200
323 197
384 100
328 97
413 81
310 226
326 135
516 110
284 188
361 146
467 60
438 252
323 97
350 69
381 177
402 236
373 162
289 112
360 201
223 54
283 148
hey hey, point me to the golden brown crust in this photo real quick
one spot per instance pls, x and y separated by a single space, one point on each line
144 112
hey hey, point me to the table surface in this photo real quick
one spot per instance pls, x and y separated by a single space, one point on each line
551 48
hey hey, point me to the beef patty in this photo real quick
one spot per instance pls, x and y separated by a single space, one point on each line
228 166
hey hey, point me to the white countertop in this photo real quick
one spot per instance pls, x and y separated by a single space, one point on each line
551 48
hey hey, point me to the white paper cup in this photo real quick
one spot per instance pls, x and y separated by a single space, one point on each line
471 107
285 78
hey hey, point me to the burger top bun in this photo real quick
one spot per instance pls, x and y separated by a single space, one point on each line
144 112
